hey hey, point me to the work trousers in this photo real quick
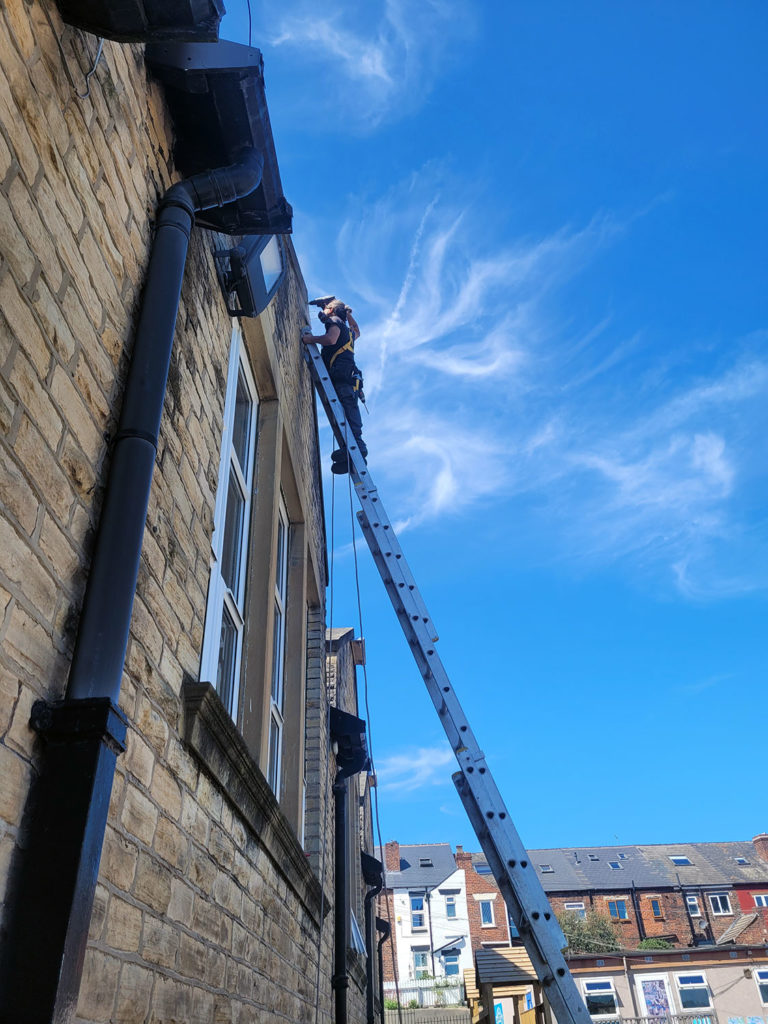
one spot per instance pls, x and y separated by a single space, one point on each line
342 382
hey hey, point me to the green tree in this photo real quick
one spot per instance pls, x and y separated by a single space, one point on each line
594 933
652 943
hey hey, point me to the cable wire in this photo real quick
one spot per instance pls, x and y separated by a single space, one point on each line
87 93
370 752
250 23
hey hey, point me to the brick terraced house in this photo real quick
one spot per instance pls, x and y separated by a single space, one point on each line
169 790
690 894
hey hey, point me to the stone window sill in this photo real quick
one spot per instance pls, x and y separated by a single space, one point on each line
213 737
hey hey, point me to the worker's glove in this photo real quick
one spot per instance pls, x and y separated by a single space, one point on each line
304 331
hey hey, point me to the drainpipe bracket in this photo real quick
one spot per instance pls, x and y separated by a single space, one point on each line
72 720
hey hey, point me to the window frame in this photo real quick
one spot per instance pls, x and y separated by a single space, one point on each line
277 672
450 908
546 869
760 896
618 916
657 911
220 597
576 907
614 865
703 984
450 960
600 986
417 912
693 898
420 972
680 860
761 980
489 904
712 896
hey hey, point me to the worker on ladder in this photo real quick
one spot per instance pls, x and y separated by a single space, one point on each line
338 354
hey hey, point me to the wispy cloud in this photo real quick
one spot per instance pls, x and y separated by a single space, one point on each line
413 769
371 63
482 390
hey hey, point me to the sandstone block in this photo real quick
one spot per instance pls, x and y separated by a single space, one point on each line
153 883
181 904
139 816
118 860
160 943
98 986
123 925
172 844
133 994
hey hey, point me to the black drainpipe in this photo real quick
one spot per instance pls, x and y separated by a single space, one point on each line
340 980
373 875
57 862
385 930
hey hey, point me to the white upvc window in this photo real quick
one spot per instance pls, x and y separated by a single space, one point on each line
720 903
450 906
761 980
418 921
761 899
277 697
693 991
420 964
451 963
693 905
225 608
486 913
575 908
600 997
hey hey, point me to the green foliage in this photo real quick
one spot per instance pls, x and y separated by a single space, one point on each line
413 1004
655 944
390 1004
594 933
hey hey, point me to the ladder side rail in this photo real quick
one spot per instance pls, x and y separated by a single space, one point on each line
502 845
542 944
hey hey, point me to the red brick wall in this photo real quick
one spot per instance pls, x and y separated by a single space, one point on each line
476 885
385 909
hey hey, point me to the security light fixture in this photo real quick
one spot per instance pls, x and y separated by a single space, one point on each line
250 274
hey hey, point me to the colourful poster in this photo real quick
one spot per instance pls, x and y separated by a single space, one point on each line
655 996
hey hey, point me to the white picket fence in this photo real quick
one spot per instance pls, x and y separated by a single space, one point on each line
425 992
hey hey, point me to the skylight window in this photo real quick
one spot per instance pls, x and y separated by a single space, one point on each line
425 862
482 868
546 868
741 860
680 861
614 865
593 856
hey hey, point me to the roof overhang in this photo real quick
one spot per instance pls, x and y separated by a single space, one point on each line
216 98
144 21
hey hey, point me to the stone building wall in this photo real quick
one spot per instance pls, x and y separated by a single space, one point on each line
207 906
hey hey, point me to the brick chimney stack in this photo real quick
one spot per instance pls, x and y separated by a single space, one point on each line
463 860
760 844
392 855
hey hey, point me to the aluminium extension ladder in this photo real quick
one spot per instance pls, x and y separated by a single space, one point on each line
528 906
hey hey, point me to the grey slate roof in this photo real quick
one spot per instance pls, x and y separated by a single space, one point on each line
411 875
648 867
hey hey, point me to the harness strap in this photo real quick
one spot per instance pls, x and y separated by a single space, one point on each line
349 347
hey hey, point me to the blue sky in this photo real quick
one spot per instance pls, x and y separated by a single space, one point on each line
550 220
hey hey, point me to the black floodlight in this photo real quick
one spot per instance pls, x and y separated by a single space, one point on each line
144 21
250 274
348 732
215 95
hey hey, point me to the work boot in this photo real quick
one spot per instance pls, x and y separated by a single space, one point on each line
339 467
340 455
